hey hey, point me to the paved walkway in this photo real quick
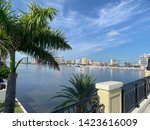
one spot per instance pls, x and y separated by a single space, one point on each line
147 110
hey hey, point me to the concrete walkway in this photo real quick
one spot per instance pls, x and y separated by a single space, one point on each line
147 109
144 106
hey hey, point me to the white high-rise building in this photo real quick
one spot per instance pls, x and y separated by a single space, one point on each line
143 62
114 62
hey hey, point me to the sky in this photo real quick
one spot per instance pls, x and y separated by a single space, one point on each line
100 29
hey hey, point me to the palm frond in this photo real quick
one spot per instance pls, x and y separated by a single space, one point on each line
38 16
64 104
40 54
51 39
83 86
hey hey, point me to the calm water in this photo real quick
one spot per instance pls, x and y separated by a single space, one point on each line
37 84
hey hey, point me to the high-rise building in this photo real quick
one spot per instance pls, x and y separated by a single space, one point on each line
114 62
143 62
84 61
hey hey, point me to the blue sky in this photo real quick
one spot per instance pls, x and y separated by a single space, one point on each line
100 29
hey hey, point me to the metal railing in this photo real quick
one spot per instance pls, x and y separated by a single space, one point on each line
134 93
88 105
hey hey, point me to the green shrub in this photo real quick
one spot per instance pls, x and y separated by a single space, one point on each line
4 71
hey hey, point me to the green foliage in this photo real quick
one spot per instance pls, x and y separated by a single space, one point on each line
2 107
4 70
18 109
30 33
82 86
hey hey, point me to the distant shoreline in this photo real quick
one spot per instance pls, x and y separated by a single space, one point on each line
95 67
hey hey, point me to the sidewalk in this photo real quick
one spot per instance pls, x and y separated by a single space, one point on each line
144 106
147 110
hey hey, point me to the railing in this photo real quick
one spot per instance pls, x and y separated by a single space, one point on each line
88 105
134 93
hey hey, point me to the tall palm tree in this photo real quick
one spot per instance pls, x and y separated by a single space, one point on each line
82 87
29 33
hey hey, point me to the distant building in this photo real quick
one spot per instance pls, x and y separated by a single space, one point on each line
128 64
25 60
73 62
34 61
96 63
84 61
60 60
90 62
68 62
78 61
143 62
114 62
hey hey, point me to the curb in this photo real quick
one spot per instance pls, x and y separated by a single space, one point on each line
24 110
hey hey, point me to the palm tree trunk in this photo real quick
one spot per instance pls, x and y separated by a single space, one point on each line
12 61
11 86
10 94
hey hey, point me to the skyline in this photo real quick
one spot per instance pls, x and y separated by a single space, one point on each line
100 30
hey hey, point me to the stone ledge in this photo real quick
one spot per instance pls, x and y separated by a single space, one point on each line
109 85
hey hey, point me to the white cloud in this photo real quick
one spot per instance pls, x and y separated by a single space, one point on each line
124 28
99 49
78 26
85 49
58 4
112 34
117 13
111 39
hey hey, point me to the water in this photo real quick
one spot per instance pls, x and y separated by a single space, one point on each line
37 84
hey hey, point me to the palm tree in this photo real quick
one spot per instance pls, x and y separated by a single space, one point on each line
28 33
82 87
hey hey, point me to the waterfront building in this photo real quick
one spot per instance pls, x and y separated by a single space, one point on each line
84 61
25 60
114 62
78 61
34 61
60 60
144 60
127 64
90 62
68 62
73 62
96 63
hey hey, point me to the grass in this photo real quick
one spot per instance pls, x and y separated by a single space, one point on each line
18 109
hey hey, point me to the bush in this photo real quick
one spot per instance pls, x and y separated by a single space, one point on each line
4 71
